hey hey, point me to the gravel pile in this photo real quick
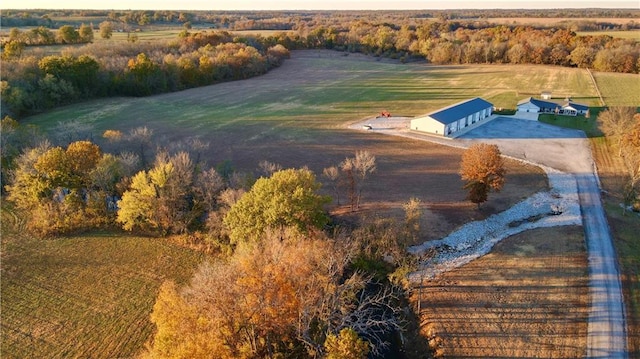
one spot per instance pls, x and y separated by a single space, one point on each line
557 207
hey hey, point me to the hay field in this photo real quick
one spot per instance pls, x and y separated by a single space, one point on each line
628 34
82 297
528 298
619 89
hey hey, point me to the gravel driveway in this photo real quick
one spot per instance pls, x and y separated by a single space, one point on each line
566 156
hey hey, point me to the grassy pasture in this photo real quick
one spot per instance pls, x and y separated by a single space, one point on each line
618 89
82 297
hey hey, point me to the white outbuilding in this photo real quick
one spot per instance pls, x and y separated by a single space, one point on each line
451 119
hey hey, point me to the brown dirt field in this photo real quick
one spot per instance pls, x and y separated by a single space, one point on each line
528 298
405 169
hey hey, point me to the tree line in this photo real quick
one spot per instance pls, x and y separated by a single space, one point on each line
621 125
31 84
34 17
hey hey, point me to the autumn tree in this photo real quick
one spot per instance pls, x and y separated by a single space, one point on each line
482 168
280 297
54 187
161 199
68 35
12 49
288 198
357 170
86 33
615 122
106 29
346 345
631 156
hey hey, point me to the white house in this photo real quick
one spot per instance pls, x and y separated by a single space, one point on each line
537 106
451 119
573 109
541 106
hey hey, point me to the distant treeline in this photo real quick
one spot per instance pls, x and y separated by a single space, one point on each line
283 20
31 84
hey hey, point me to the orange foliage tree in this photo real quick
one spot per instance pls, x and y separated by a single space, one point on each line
482 168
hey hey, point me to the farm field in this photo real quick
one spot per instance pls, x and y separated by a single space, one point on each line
619 89
528 298
629 34
296 115
83 297
550 21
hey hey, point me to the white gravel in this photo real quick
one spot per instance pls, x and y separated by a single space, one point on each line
476 239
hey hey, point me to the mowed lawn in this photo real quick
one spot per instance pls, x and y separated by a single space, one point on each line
83 297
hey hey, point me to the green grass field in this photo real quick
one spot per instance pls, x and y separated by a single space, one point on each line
619 89
326 89
83 297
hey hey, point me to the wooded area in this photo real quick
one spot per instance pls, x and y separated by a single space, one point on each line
208 51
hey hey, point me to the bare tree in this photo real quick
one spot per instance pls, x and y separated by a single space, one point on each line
615 122
268 168
333 175
141 137
357 170
71 131
412 215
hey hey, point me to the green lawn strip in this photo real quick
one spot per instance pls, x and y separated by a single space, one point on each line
625 229
85 296
588 125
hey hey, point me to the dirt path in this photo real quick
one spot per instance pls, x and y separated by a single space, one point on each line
567 151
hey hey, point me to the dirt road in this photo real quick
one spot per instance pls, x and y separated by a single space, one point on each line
567 151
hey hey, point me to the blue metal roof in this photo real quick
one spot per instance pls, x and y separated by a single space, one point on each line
460 110
577 106
552 105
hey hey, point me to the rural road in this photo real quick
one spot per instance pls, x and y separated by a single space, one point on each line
606 329
568 151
